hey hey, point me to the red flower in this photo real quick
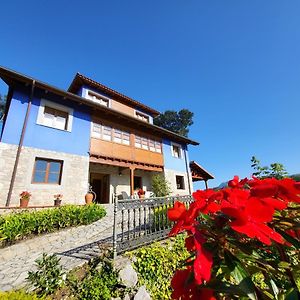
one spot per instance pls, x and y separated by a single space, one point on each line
203 261
184 287
175 213
236 183
207 201
251 221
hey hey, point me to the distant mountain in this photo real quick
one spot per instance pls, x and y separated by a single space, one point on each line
222 185
295 177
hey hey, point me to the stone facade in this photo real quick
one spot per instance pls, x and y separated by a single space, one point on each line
170 176
74 179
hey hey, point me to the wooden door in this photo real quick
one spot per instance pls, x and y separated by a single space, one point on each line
97 188
105 189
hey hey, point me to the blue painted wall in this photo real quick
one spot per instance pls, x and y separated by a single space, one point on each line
171 162
38 136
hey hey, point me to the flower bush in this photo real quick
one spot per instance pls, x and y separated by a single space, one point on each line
244 241
25 195
58 196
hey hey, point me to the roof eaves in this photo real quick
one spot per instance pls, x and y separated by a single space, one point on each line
199 166
18 76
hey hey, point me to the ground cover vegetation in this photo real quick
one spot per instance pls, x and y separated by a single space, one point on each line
245 244
157 263
20 225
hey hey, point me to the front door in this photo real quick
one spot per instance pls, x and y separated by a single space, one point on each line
97 188
100 185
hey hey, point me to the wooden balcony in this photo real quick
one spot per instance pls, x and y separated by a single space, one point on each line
124 153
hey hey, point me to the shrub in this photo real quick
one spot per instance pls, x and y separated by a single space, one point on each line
49 276
160 186
99 284
16 226
157 263
19 295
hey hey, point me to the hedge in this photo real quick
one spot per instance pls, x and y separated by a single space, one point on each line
16 226
157 263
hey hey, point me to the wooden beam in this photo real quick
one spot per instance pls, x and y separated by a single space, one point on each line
119 163
131 181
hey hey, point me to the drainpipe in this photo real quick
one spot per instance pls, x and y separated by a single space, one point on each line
14 173
187 170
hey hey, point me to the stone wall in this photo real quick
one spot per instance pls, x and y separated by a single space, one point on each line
73 182
170 176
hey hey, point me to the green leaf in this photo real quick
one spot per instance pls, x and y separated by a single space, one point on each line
274 288
240 275
292 295
289 238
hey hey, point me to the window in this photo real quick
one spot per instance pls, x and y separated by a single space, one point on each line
117 136
179 182
138 141
126 138
147 144
144 143
97 98
176 150
96 130
55 115
142 116
158 147
152 145
107 133
137 183
47 171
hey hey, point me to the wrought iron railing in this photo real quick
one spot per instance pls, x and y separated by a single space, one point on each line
141 221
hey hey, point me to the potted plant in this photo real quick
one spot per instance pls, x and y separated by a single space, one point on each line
90 196
141 193
57 199
24 198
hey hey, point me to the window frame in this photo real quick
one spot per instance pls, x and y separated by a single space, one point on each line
179 148
47 172
58 107
138 143
123 139
142 116
90 94
182 183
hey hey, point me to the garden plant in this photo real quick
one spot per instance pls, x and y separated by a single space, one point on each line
243 240
16 226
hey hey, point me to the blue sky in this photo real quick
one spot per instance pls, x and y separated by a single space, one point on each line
235 64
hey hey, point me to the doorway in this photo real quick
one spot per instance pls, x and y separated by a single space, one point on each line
100 185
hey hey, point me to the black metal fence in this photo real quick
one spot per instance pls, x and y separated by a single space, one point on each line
141 221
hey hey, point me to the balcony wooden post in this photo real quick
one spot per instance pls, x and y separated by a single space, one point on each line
131 181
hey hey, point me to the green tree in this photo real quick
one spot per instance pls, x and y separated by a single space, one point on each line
160 186
2 105
275 170
178 122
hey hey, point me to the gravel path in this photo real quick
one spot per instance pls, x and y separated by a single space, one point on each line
74 246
